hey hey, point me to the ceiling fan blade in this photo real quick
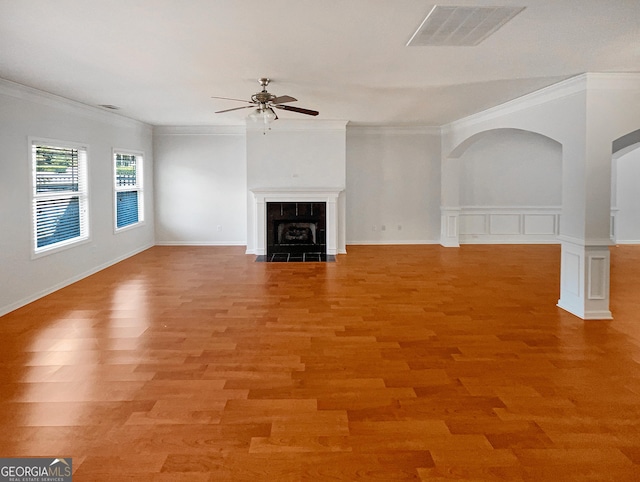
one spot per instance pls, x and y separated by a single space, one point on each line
282 99
229 98
297 109
235 108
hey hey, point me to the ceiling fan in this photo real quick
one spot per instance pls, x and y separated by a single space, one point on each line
264 102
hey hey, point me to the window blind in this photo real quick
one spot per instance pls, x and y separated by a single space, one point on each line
59 195
128 188
126 208
126 170
57 220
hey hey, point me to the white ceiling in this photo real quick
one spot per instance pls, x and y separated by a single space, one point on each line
160 61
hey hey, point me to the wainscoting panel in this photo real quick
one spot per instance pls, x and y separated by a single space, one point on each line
540 224
509 225
572 274
598 266
472 224
504 223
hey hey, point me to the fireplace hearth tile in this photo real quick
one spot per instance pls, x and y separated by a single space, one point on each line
296 258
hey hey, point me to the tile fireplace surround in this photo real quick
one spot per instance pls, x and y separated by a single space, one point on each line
262 196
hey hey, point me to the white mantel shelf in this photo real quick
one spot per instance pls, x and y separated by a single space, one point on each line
288 192
264 195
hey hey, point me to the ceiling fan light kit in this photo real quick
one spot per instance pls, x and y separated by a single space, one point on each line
265 116
264 102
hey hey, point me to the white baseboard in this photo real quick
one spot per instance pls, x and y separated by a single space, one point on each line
201 243
378 242
585 315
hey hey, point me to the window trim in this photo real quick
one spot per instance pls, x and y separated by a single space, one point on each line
82 194
139 188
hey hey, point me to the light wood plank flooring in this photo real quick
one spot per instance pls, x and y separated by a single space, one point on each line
393 363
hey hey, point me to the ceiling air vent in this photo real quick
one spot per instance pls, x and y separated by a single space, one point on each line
461 26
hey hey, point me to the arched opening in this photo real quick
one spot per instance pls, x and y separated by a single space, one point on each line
625 143
625 189
463 146
510 187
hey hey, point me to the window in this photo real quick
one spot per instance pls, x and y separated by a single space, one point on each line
59 194
128 189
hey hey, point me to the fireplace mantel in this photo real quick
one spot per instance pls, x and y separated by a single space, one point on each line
262 196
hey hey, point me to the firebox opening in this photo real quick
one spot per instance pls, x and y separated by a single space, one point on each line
294 228
295 233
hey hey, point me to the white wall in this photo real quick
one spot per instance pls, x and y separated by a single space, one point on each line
627 198
297 154
201 184
28 113
393 185
509 167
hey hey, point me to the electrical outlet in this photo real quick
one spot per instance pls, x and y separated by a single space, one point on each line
219 227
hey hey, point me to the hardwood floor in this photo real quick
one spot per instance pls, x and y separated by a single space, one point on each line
393 363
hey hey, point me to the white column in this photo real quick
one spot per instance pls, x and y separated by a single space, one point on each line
449 230
260 227
585 226
332 225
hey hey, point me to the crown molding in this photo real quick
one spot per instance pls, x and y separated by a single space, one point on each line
288 190
30 94
210 130
559 90
364 129
299 125
281 125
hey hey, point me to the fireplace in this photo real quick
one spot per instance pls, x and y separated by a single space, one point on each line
303 231
295 228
